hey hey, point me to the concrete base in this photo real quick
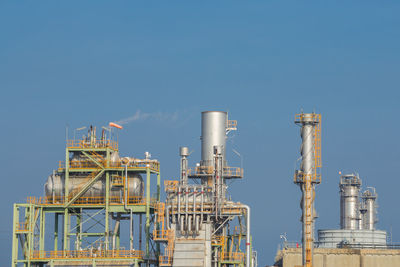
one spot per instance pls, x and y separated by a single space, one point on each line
339 257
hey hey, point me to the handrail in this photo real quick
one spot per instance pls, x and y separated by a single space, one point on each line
100 200
171 185
232 256
89 164
22 226
209 170
94 144
86 254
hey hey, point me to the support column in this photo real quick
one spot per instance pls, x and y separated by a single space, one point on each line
15 236
78 229
66 214
158 248
42 229
66 230
107 230
147 211
159 187
31 231
55 231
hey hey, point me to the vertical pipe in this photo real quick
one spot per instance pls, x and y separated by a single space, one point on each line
184 153
78 230
140 231
248 243
179 203
186 207
147 210
131 231
66 193
158 187
202 205
194 205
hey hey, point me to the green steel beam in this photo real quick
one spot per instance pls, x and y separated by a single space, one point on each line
66 180
107 217
42 229
14 256
66 229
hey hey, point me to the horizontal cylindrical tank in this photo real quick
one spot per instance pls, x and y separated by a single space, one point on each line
54 186
213 133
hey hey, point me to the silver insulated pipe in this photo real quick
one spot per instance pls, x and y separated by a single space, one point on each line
213 133
306 178
349 203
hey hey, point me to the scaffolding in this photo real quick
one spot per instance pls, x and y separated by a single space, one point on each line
82 233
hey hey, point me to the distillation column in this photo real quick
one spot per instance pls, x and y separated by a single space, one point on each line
370 209
307 177
349 203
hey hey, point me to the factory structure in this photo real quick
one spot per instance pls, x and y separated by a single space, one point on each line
357 243
104 209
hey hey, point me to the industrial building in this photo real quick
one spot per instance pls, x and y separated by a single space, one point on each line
357 243
104 209
102 212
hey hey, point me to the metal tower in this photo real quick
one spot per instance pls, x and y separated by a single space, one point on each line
308 176
203 227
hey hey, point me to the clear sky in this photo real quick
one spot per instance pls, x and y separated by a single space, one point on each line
77 63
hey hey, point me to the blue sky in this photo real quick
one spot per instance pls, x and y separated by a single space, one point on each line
78 63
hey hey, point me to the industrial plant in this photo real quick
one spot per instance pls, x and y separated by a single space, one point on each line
98 200
357 243
101 208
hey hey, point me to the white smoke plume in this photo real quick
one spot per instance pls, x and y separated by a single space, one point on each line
159 116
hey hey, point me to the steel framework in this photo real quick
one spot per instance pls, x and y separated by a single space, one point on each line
86 236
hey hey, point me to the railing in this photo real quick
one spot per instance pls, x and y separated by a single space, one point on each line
114 200
166 259
201 170
300 177
218 240
22 227
209 170
232 256
95 144
89 164
231 125
233 172
208 207
161 235
117 180
87 254
171 185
